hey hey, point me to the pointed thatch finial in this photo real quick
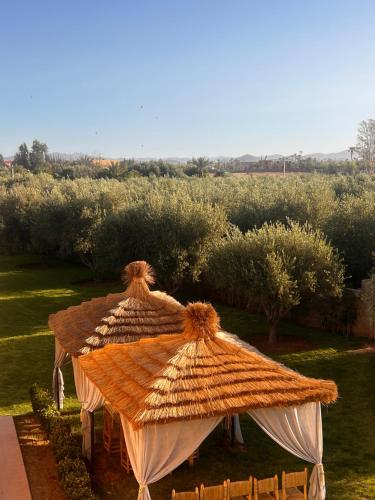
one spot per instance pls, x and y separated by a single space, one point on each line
139 269
138 275
200 321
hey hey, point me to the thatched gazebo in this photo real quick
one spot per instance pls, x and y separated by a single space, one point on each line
117 318
172 391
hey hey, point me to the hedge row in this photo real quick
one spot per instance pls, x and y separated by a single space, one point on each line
71 467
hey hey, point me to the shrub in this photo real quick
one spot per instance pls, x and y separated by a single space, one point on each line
71 467
44 406
60 430
40 398
75 479
65 445
47 416
69 448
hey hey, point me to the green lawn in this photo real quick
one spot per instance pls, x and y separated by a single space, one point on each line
30 292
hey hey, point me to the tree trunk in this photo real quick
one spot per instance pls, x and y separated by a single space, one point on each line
272 332
91 263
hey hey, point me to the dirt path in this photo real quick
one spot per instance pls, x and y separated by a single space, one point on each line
39 460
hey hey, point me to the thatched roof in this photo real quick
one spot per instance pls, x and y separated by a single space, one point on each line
198 373
118 318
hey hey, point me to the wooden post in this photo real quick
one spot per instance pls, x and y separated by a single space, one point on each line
232 437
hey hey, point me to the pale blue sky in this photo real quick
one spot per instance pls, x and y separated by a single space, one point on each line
182 78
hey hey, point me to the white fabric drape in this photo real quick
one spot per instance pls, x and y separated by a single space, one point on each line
61 357
90 398
156 450
299 430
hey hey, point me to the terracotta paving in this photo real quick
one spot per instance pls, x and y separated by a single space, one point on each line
13 479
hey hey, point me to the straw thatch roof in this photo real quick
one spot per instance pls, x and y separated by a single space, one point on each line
198 373
118 318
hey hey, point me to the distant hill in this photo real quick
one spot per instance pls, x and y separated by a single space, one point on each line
341 155
248 158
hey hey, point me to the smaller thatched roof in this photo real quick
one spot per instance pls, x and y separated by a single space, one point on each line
118 318
198 373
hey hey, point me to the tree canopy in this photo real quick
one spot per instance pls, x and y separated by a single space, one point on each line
277 267
366 144
174 235
33 159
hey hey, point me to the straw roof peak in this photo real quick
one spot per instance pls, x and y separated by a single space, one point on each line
200 321
138 270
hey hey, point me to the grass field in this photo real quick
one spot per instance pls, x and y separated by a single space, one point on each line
29 292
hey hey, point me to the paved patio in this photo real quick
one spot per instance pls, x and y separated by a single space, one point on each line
13 480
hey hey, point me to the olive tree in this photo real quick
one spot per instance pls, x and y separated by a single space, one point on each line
69 216
277 267
366 144
197 167
18 205
173 234
274 200
351 229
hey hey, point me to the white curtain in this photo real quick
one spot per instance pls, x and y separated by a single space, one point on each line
61 357
298 429
157 449
90 398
